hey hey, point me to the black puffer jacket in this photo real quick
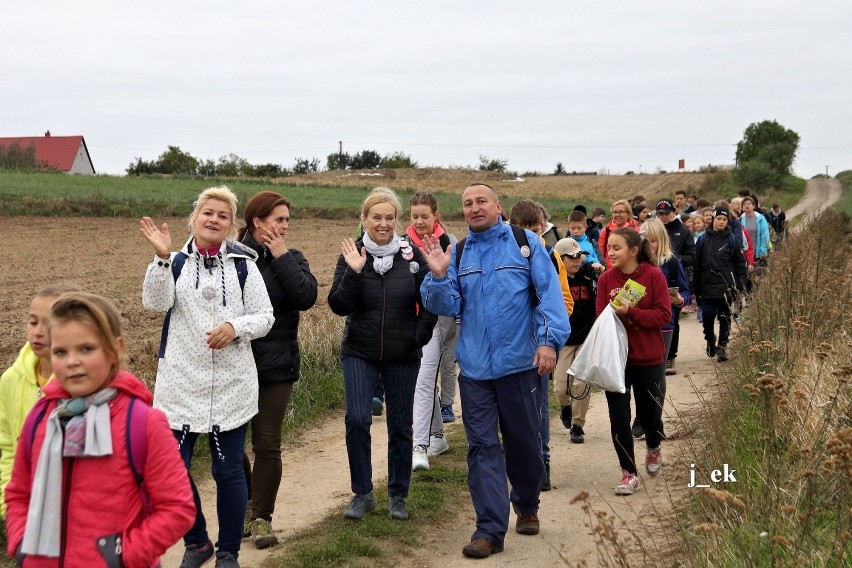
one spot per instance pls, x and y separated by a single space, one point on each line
682 242
385 320
719 271
291 288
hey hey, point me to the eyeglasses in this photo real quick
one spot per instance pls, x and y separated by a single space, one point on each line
620 212
573 256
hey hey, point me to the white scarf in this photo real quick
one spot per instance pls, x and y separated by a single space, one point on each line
382 254
42 533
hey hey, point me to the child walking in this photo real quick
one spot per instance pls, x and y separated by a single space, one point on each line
74 499
631 258
22 383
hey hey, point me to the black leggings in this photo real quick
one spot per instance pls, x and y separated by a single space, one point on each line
646 385
711 309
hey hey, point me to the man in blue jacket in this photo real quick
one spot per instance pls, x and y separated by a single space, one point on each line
513 322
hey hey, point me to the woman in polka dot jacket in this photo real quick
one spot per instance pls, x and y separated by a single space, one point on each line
206 377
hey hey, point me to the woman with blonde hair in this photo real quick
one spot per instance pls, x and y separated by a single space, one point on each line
377 288
216 303
622 216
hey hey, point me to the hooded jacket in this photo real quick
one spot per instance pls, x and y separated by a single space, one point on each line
291 288
19 392
199 387
682 242
100 494
385 317
761 244
509 304
605 232
719 271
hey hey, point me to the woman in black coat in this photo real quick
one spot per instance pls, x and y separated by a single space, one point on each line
292 288
377 287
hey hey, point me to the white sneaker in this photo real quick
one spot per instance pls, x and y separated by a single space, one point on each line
629 483
437 445
419 460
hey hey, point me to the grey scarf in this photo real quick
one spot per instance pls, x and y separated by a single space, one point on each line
42 533
382 254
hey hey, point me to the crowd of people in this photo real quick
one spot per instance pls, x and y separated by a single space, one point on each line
501 313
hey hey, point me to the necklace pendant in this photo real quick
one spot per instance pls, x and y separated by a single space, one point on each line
208 293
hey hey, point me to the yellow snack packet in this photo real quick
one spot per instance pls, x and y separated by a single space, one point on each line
631 293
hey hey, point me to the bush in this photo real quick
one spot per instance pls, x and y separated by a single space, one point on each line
398 160
487 164
757 175
14 157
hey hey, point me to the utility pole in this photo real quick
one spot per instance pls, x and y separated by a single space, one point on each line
826 171
340 155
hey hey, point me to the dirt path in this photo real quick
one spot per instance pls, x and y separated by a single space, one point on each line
316 480
820 194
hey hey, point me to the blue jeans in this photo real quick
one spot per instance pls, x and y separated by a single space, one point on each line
399 379
512 404
231 488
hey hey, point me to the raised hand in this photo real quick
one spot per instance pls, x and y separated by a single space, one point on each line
160 238
437 259
353 258
273 240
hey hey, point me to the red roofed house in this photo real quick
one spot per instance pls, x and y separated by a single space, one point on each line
64 153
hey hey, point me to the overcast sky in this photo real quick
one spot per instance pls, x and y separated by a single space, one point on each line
618 85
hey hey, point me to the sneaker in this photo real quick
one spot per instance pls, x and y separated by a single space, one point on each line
360 506
378 406
629 483
197 555
577 435
447 414
711 347
670 368
653 461
527 524
566 416
261 533
722 353
397 509
437 445
227 561
637 430
420 459
481 548
546 485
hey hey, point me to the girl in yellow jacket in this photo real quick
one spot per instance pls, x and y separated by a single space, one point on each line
21 384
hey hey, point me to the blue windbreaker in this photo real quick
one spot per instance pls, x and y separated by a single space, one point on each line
501 325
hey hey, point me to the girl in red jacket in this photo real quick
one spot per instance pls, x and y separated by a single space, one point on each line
631 258
74 499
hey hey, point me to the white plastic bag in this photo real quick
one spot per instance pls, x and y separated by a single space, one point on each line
603 356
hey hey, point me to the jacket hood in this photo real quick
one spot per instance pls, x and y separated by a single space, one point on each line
233 249
124 381
632 223
675 224
723 233
25 364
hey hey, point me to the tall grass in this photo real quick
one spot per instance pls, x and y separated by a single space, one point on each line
783 418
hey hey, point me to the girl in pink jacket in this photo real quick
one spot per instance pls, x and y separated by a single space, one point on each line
74 498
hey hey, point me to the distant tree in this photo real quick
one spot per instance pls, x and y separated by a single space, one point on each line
233 166
305 166
486 164
757 175
338 161
270 171
176 161
207 168
559 171
366 160
770 143
141 168
15 157
398 160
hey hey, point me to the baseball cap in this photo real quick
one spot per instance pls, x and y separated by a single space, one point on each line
665 206
568 246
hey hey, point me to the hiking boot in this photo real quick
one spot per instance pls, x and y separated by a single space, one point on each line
197 555
227 561
670 368
722 353
577 435
261 533
546 485
629 483
437 445
360 506
527 524
447 414
653 461
711 347
637 430
378 406
420 459
566 416
481 548
397 509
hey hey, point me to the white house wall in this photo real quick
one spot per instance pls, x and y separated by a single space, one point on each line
82 163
